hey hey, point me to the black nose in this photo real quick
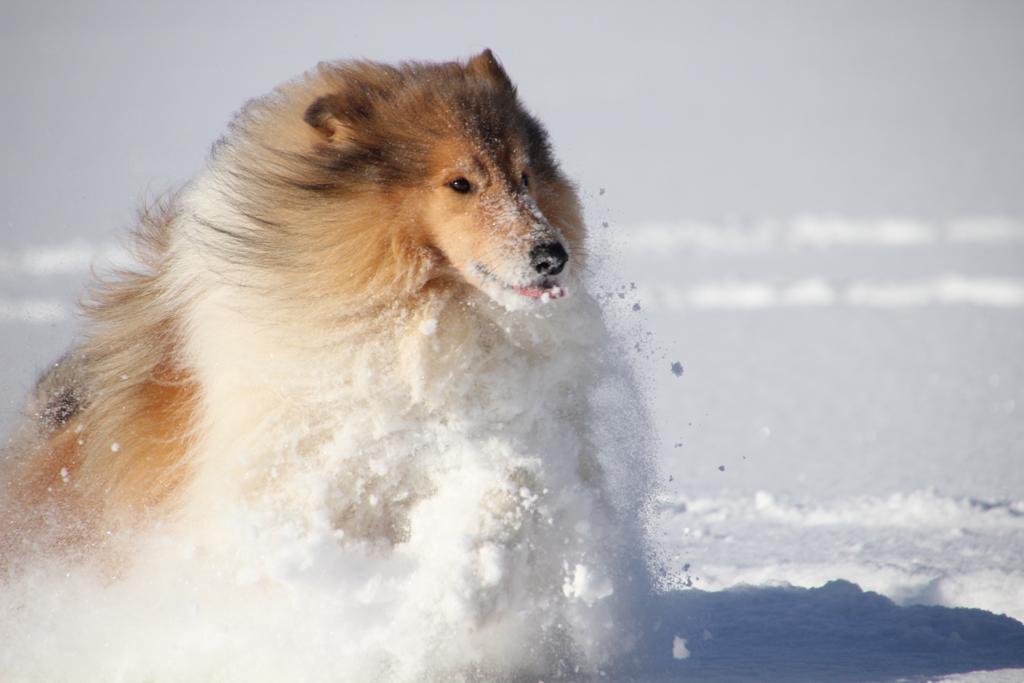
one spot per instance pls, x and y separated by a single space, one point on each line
548 259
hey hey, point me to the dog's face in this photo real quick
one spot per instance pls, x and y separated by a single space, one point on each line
481 211
470 170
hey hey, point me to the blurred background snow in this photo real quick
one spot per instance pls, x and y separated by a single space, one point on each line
816 208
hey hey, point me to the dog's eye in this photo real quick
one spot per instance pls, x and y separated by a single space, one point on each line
460 185
526 180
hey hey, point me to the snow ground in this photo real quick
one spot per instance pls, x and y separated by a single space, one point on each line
840 453
849 408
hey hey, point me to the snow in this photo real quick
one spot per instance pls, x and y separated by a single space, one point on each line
916 548
586 585
835 632
848 412
826 513
820 231
32 310
428 327
945 290
479 538
69 258
679 650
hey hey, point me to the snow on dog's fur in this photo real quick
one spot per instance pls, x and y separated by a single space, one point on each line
360 352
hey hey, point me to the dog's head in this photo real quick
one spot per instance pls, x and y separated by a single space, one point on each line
466 173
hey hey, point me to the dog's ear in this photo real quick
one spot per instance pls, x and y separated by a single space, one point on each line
325 115
336 115
487 65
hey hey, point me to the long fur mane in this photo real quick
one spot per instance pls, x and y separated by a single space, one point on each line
302 224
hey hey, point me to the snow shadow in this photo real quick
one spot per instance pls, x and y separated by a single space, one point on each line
836 633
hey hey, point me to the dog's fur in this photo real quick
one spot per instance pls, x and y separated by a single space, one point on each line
325 226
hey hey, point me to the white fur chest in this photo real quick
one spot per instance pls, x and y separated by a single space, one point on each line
433 466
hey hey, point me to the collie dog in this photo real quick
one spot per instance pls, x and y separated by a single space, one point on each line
360 333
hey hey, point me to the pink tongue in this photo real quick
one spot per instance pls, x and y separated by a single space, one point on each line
537 292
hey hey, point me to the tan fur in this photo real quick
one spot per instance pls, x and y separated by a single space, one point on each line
340 209
122 452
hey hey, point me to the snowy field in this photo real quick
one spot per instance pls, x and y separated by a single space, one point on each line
849 409
836 373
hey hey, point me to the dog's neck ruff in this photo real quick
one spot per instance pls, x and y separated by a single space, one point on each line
453 424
